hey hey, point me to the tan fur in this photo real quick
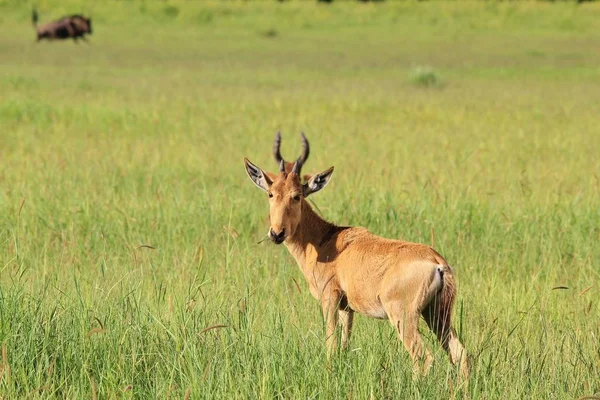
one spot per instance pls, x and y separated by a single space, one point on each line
351 270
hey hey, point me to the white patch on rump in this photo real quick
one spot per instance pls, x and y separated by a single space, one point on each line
436 283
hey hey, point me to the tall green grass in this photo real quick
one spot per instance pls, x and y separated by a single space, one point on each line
128 228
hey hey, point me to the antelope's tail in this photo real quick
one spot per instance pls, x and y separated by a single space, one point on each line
34 17
446 297
445 332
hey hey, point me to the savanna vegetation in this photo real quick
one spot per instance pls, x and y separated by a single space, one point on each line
129 263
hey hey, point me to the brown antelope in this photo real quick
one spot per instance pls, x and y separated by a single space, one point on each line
289 165
348 269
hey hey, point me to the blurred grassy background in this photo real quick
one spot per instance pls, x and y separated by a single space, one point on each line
137 139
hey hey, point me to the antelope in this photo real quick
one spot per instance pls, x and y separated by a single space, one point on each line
349 269
289 165
73 26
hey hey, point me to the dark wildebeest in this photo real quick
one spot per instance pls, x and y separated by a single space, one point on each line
70 27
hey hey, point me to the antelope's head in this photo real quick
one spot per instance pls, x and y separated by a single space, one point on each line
286 194
289 165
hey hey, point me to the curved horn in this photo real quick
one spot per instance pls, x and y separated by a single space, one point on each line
282 166
297 167
305 148
276 145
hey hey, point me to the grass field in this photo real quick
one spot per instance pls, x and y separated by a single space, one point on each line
128 226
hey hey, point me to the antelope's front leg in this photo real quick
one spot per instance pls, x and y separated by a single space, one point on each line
330 303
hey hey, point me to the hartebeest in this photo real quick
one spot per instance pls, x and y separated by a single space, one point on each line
289 165
348 269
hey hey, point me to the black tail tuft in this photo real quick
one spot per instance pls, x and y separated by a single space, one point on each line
34 17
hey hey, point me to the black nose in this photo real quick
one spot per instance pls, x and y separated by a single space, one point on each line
277 237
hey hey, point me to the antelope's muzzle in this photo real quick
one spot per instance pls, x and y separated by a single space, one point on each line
277 238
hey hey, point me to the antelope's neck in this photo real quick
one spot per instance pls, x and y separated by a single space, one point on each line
310 236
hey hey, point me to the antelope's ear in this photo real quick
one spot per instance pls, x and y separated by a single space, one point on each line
257 176
317 182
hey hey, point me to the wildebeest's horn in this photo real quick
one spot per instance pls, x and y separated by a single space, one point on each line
305 148
276 146
282 166
297 166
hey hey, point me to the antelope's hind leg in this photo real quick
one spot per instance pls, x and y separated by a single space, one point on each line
439 323
406 322
346 318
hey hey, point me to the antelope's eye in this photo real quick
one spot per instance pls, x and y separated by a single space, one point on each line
296 197
270 195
